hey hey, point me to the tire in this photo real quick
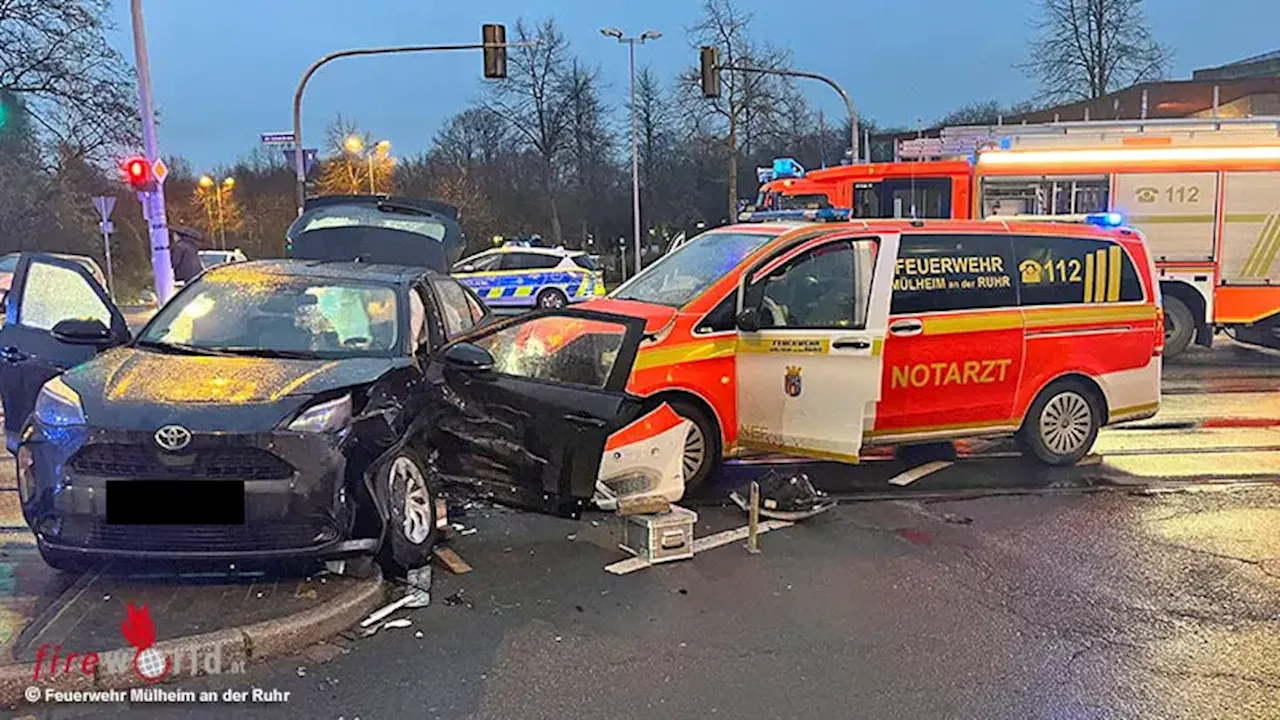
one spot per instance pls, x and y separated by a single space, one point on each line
551 298
702 446
404 487
1062 424
1179 326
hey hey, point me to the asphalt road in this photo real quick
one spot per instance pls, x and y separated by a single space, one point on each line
1144 583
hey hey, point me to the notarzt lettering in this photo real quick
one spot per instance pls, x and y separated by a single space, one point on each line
968 372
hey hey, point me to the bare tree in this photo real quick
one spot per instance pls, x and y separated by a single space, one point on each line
1088 48
76 88
751 105
536 99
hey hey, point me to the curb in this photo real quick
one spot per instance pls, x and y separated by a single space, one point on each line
247 644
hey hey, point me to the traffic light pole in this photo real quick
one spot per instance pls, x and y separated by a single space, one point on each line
152 200
853 114
299 163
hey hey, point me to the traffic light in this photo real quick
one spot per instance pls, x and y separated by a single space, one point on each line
137 172
710 72
495 58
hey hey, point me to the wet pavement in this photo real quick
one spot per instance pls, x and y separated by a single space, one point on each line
1141 584
1104 605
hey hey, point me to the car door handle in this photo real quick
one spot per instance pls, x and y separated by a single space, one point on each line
585 420
12 354
906 327
853 344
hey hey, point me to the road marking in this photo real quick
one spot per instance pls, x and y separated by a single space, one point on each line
630 565
1179 465
915 473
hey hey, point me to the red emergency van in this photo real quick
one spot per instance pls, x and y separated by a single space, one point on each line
818 339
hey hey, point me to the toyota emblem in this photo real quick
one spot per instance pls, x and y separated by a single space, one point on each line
173 437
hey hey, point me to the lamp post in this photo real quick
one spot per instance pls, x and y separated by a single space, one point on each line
354 144
207 183
631 43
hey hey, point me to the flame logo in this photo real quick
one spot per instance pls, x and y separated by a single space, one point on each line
150 664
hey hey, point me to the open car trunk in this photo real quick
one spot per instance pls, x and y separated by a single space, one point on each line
377 229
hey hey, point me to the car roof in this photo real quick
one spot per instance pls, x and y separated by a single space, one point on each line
328 270
563 252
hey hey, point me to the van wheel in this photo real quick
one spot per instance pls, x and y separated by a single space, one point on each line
1179 326
1062 424
701 447
404 487
552 298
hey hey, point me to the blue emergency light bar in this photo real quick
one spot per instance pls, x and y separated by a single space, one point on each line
783 168
819 215
1107 219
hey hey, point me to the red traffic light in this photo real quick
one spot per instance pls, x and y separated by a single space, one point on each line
138 172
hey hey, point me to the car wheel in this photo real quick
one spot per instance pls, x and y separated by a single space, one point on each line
1062 424
405 488
1179 326
701 447
551 298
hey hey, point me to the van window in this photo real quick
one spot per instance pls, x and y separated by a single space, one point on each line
722 318
1058 271
935 273
827 287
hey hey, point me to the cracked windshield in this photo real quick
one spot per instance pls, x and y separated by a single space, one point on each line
403 361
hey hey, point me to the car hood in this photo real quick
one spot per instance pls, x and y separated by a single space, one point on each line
656 317
130 388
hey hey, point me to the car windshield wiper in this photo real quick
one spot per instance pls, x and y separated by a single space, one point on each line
178 348
270 353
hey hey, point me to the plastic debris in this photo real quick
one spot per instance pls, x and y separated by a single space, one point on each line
457 599
419 593
572 536
398 623
418 634
468 531
302 672
385 610
785 497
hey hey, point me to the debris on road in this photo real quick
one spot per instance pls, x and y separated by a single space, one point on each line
957 519
785 497
456 599
419 592
386 610
398 623
452 561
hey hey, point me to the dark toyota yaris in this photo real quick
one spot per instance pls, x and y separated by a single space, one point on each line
293 409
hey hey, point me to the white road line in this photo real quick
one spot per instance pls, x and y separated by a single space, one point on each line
622 567
915 473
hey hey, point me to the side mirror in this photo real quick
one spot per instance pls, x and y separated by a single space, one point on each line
468 357
749 319
83 332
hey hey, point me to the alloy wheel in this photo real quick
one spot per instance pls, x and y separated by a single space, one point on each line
417 501
1065 423
695 451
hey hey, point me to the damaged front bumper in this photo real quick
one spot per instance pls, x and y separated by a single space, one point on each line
297 503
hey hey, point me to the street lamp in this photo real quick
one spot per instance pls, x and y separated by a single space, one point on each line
354 144
631 42
207 183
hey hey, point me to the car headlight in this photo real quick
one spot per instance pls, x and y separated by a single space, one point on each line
328 416
58 405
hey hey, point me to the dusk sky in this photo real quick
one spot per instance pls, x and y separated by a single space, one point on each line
226 71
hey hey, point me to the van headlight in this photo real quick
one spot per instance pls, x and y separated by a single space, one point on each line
328 416
58 405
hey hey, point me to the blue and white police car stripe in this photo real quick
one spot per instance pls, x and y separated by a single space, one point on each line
516 287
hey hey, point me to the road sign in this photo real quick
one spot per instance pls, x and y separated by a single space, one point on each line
308 158
160 170
278 138
105 204
107 227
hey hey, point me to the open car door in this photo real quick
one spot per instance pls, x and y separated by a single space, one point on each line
530 403
57 315
811 321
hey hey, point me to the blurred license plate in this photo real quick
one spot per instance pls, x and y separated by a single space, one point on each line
175 502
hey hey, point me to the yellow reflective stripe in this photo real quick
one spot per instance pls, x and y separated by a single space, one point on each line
1265 262
1042 317
1088 278
877 347
524 291
1113 279
659 356
1100 276
1252 264
492 293
944 325
797 450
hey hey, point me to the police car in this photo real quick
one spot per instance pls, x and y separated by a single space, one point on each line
518 275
